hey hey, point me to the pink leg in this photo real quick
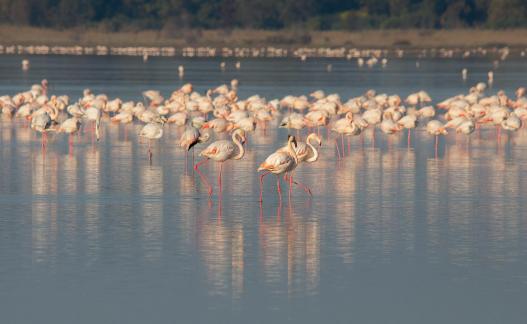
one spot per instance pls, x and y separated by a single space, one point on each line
70 144
409 136
337 146
436 145
349 145
150 151
219 178
43 141
202 176
342 143
290 186
301 185
278 188
373 136
186 161
261 184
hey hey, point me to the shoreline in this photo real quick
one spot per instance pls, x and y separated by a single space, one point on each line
256 43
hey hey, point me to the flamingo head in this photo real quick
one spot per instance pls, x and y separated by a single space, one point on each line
292 139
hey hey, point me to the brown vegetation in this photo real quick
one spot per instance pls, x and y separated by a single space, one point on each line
10 35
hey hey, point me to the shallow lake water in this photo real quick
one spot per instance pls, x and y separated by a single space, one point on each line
392 234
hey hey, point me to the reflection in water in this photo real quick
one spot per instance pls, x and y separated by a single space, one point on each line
434 204
107 212
152 190
213 244
373 196
44 209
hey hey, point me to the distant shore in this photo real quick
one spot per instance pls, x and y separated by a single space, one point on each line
287 39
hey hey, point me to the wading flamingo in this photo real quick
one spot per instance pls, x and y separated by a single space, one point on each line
191 137
278 163
151 131
221 151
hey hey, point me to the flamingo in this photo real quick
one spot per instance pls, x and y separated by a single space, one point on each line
436 128
345 126
151 131
305 152
512 122
409 122
190 137
93 114
467 127
70 126
42 121
221 151
280 162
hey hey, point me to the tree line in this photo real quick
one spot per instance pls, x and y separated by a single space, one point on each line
117 15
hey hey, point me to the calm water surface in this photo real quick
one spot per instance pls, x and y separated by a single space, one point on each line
392 234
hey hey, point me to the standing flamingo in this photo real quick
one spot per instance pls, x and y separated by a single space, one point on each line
280 162
70 126
409 122
221 151
436 128
190 137
151 131
305 152
42 121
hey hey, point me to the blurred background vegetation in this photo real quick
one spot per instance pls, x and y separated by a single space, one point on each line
171 15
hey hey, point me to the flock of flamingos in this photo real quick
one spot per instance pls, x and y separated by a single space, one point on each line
221 111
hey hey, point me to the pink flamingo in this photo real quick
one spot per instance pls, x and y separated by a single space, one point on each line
221 151
280 162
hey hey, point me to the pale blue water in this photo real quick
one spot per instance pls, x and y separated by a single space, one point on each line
392 235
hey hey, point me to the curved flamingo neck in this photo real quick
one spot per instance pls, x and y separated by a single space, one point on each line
241 150
315 151
292 150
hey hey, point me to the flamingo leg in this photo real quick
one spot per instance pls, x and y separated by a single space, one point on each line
409 136
373 136
337 146
186 161
301 185
70 144
436 145
278 188
349 145
44 140
261 184
150 151
290 186
219 178
342 143
202 176
92 131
